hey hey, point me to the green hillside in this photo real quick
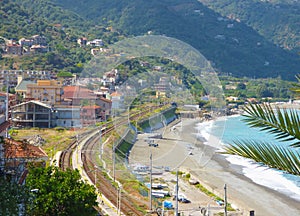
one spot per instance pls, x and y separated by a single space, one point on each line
276 20
62 28
232 46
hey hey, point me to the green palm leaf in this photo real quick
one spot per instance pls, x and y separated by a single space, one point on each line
268 154
284 124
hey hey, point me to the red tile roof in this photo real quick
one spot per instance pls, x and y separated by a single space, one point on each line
16 149
78 92
91 107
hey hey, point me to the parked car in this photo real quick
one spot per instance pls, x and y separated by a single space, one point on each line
182 199
153 144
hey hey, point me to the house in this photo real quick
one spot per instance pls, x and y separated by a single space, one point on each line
14 49
21 88
26 42
106 106
17 155
4 116
117 100
77 95
3 98
66 116
32 114
4 125
38 114
38 49
95 43
48 91
82 41
39 40
90 115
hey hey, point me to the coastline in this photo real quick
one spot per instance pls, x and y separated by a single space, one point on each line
243 193
213 170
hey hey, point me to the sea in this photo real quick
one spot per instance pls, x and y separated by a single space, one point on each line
228 129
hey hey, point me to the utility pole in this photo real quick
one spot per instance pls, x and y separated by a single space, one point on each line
95 175
151 182
176 191
6 105
114 161
225 200
100 141
119 200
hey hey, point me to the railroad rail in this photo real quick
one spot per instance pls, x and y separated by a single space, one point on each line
106 186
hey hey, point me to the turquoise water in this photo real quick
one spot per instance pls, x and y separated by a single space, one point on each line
234 128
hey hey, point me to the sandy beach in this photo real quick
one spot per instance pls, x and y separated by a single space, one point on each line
180 149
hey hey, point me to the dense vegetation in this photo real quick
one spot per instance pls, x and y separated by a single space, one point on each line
56 192
266 89
232 46
48 191
60 27
276 20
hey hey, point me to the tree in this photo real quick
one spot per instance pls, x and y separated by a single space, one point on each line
64 74
241 86
284 125
59 192
263 91
12 196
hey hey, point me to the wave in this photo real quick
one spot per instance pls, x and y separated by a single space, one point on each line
267 177
218 132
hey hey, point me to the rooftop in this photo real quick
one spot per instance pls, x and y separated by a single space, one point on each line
17 149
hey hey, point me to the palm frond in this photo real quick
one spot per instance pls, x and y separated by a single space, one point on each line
268 154
283 124
296 86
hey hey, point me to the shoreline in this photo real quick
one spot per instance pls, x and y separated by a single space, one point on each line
243 193
213 170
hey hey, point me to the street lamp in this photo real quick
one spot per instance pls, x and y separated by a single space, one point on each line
225 200
119 200
100 142
95 175
151 182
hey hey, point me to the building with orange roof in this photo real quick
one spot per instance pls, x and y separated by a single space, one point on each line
117 100
17 155
77 94
48 91
14 49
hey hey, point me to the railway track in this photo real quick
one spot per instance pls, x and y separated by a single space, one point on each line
106 186
65 159
66 155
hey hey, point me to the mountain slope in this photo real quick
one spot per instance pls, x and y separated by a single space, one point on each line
232 46
277 20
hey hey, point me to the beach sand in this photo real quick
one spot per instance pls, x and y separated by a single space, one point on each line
179 149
